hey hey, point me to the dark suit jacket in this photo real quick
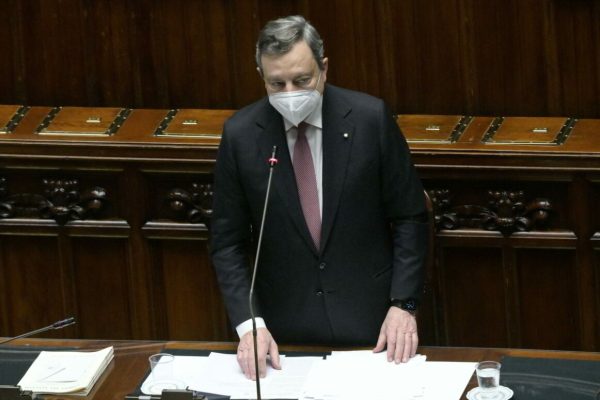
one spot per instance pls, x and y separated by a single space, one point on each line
372 248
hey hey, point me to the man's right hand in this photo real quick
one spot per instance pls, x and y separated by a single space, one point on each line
266 345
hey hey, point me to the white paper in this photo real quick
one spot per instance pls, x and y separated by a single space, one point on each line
223 375
363 374
342 376
186 371
66 371
447 380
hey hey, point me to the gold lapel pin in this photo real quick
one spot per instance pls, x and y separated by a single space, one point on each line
346 135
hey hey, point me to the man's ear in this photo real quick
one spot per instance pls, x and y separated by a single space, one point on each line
324 71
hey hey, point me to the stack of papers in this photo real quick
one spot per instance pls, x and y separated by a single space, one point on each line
223 375
343 375
71 372
365 375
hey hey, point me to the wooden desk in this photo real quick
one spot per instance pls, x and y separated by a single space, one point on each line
131 359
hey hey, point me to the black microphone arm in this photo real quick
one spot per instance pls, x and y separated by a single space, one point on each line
57 325
272 163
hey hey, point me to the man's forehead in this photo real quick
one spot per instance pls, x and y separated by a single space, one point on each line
296 61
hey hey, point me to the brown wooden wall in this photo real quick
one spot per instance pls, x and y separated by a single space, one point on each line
471 57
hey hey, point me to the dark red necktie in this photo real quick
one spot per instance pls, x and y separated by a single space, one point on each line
306 180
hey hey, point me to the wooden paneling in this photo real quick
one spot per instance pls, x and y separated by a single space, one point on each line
473 296
186 291
99 269
32 281
496 57
547 279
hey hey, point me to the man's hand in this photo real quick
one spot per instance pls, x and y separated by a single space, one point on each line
399 332
266 345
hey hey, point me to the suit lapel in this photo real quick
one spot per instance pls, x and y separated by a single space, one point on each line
284 180
338 132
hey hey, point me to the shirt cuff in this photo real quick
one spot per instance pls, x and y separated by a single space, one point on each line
246 326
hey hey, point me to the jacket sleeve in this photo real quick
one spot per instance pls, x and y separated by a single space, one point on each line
231 233
404 201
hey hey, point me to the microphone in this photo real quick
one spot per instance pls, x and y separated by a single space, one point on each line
272 163
57 325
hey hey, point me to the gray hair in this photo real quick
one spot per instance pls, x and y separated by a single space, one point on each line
279 35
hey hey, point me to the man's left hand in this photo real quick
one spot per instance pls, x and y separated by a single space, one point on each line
399 333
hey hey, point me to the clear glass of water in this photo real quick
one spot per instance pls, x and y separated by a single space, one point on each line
161 366
488 378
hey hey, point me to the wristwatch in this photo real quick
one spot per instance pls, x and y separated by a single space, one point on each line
409 305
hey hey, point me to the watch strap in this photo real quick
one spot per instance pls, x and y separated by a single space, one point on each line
409 305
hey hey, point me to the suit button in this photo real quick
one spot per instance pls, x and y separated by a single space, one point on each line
319 293
322 266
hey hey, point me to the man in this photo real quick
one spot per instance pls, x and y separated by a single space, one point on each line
345 233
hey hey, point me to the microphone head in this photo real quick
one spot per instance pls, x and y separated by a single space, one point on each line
63 323
272 159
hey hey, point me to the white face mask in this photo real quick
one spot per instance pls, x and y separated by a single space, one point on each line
297 105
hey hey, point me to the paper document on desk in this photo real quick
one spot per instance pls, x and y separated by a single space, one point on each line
362 374
222 374
447 380
343 375
72 372
365 375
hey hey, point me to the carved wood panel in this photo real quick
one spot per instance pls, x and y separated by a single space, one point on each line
515 203
60 196
183 197
506 211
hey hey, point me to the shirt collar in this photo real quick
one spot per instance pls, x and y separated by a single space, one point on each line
315 118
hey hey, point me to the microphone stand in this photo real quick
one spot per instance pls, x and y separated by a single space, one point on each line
272 162
56 325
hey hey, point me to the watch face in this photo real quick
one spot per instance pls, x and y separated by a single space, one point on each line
409 305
